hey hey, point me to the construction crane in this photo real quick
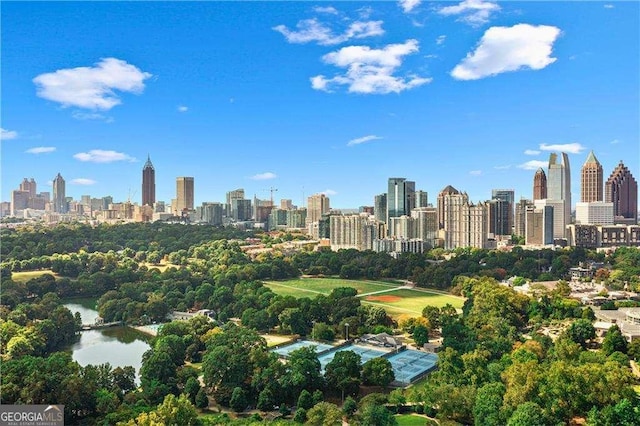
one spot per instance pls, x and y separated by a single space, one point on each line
272 190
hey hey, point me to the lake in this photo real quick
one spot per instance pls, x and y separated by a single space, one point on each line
119 346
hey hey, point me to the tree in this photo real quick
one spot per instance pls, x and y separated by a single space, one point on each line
377 415
432 314
300 416
378 372
420 335
343 372
202 401
238 400
305 400
172 411
191 389
322 331
580 331
349 407
614 341
527 414
324 414
304 370
488 405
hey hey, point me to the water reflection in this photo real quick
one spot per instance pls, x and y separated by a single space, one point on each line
119 346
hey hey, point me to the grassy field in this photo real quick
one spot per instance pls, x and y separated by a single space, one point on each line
410 420
23 277
396 301
276 339
307 287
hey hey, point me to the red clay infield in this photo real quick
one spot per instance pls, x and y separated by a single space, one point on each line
384 298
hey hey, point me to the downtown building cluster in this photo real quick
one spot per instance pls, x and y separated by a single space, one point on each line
400 220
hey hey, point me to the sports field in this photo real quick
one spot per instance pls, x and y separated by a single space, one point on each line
307 287
395 299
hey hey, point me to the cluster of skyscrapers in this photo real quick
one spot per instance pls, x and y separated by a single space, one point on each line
401 218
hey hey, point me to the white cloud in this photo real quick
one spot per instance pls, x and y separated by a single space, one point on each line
91 87
7 134
609 6
504 49
328 192
41 150
531 152
182 108
311 30
103 156
473 12
408 5
83 181
370 71
571 148
532 165
508 166
615 141
475 172
441 39
328 9
264 176
363 139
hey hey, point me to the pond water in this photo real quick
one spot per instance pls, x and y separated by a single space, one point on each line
119 346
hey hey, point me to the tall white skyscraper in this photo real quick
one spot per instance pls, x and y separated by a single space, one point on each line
59 195
559 187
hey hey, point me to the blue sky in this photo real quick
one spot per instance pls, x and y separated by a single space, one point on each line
311 97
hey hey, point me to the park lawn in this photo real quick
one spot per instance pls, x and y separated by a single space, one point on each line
23 277
307 287
410 420
411 301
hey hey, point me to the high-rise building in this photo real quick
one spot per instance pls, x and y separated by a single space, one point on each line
594 213
357 231
19 201
286 204
184 194
559 186
212 213
559 224
241 210
236 194
539 225
148 183
447 191
539 185
29 186
422 199
317 205
59 196
426 226
500 217
621 189
520 220
503 212
453 212
401 197
591 186
380 207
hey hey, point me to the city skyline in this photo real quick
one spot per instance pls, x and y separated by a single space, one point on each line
263 95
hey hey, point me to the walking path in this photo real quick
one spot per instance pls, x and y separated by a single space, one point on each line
387 290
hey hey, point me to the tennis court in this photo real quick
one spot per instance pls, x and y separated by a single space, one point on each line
366 353
410 364
284 351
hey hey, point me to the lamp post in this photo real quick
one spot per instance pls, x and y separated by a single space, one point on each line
346 324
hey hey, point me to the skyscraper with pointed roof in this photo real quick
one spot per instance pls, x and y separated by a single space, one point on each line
591 180
59 195
621 189
148 183
539 185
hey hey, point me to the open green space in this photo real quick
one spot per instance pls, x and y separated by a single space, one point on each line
410 420
307 287
394 299
23 277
